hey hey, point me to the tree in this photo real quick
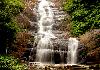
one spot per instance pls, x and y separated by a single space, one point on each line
8 26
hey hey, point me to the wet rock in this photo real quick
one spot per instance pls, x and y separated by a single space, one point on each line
61 67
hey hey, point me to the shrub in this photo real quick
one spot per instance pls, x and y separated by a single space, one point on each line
91 40
10 63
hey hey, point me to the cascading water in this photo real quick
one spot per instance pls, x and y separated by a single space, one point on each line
45 22
72 51
45 46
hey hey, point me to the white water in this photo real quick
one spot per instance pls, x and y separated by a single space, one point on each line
72 51
45 35
45 22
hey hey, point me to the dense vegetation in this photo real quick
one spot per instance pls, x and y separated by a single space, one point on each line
14 37
10 63
85 24
8 25
85 15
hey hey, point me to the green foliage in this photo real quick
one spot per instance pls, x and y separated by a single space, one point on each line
68 5
13 25
9 9
85 15
10 63
7 35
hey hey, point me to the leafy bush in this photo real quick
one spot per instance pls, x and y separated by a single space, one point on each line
85 15
10 63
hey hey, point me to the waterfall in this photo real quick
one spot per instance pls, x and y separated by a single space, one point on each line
72 51
45 22
47 36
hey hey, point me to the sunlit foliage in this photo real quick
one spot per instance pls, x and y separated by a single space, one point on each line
85 15
10 63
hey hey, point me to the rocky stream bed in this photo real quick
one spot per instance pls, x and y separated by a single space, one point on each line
39 66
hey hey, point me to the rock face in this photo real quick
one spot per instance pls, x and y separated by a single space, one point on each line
60 43
91 40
